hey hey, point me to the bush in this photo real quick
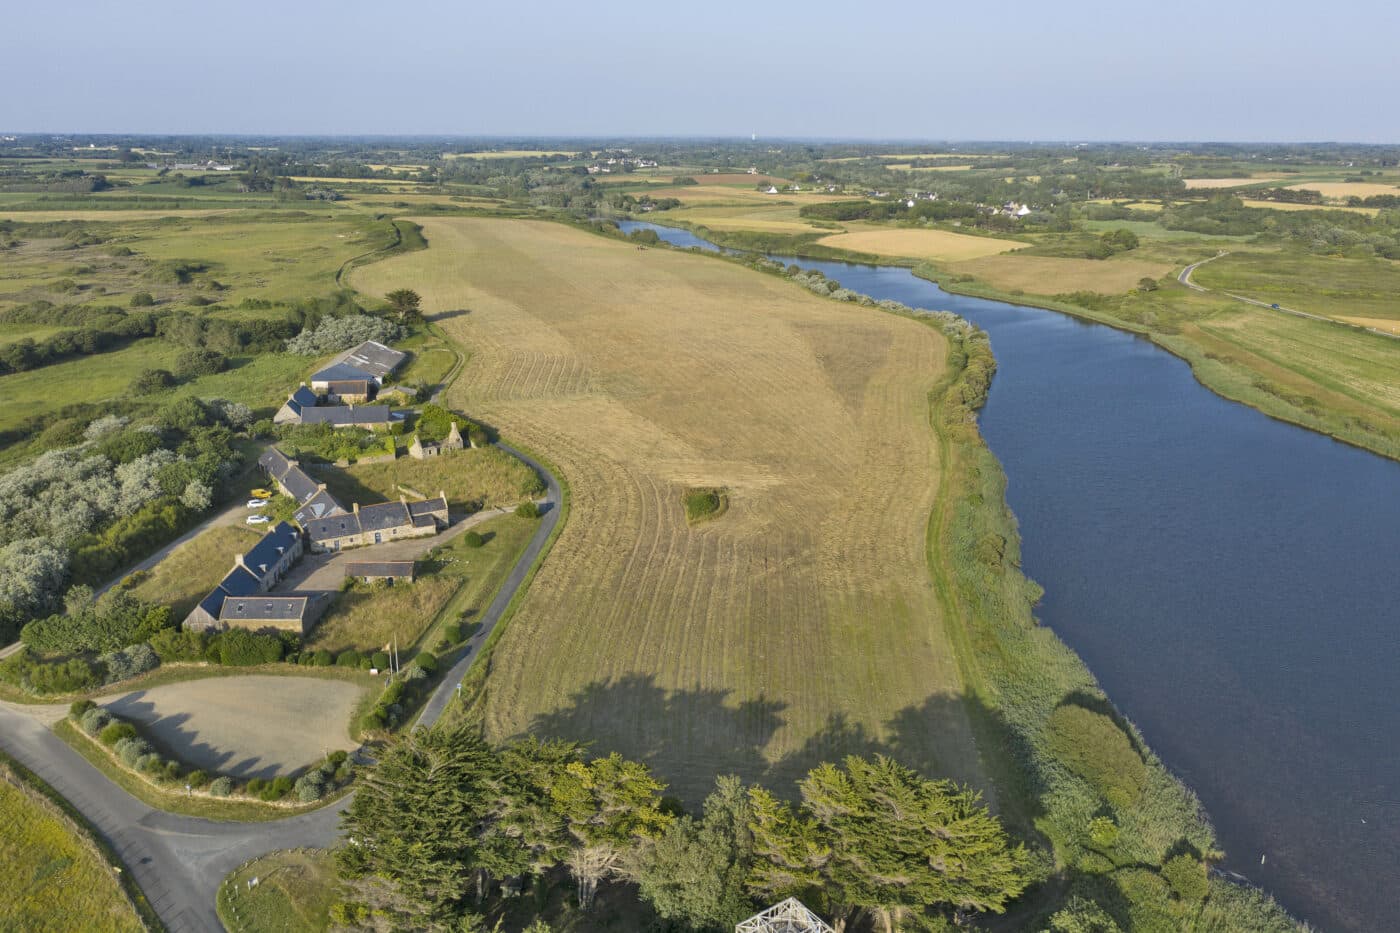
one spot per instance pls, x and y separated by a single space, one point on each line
528 509
81 707
702 503
310 787
323 658
129 662
1103 833
1187 877
255 786
172 771
68 676
131 750
222 787
149 381
95 720
141 299
151 763
194 363
427 661
114 732
380 661
348 658
281 786
473 539
1093 746
240 648
197 778
452 632
342 333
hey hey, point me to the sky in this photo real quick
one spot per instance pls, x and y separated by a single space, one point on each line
1012 70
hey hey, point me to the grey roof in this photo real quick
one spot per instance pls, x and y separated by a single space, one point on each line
239 582
269 550
321 505
342 372
303 398
373 357
349 386
384 515
347 414
263 608
379 568
300 486
274 461
427 506
333 527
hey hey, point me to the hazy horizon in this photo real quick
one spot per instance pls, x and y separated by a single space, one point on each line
1076 72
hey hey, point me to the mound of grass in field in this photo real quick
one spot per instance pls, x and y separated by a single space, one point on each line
702 505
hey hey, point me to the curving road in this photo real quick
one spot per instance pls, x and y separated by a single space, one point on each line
179 861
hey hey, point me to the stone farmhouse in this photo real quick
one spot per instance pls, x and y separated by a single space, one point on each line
312 499
241 597
300 400
369 358
374 417
376 524
421 451
337 393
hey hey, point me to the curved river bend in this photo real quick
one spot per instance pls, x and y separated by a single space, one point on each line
1233 582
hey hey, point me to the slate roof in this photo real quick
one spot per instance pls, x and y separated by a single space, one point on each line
347 414
337 372
379 568
427 506
384 515
333 527
274 462
300 486
373 357
270 548
321 505
349 386
263 608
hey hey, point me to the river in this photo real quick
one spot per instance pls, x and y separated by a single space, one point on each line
1230 579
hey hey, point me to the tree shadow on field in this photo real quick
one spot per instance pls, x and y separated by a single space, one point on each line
170 735
449 315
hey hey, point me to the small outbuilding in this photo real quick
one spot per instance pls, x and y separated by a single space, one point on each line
372 571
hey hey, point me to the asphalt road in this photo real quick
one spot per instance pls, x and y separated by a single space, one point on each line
179 861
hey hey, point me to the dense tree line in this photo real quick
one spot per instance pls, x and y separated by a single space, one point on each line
118 330
444 818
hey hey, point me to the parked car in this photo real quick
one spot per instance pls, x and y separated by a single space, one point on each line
262 493
257 503
257 519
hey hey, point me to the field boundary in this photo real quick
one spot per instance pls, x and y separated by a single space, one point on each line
32 785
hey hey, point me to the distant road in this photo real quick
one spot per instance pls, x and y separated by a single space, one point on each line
1185 279
179 861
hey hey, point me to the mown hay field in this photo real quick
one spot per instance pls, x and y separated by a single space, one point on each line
801 624
1212 183
941 245
1053 275
1347 189
1286 206
55 879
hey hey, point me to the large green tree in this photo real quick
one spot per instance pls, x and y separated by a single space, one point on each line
608 805
407 305
696 871
875 835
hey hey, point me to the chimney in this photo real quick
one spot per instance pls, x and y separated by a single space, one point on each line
238 562
356 507
403 500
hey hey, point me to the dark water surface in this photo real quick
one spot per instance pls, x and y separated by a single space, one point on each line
1232 581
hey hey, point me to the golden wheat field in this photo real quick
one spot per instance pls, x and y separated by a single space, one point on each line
917 244
1052 275
1206 183
800 625
1347 189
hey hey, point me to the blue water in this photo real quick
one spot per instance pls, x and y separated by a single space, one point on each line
1232 581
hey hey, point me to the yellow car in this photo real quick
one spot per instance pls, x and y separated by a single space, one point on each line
262 494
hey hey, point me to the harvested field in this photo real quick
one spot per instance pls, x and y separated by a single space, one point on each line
1211 183
938 245
251 726
1390 326
801 624
1051 275
1347 189
1285 206
907 167
736 178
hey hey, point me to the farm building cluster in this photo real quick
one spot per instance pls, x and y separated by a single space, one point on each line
337 395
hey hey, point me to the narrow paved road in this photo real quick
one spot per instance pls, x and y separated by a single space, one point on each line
179 861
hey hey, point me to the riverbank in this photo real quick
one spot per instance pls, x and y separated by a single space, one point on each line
1232 362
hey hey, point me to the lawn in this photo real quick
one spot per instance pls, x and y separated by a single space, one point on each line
194 568
1326 285
798 625
294 891
482 474
56 879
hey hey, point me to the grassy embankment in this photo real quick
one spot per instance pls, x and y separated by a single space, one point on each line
295 891
59 876
790 629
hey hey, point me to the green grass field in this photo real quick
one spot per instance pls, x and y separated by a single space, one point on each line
56 879
482 474
294 891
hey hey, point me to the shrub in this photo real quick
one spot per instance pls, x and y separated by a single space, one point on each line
114 732
528 509
197 778
380 661
702 503
151 763
222 787
131 750
310 787
452 632
323 658
95 720
194 363
68 676
240 648
172 771
338 757
473 539
80 707
427 661
141 299
366 663
342 333
1103 833
1093 746
1187 877
149 381
281 786
255 786
129 662
348 658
